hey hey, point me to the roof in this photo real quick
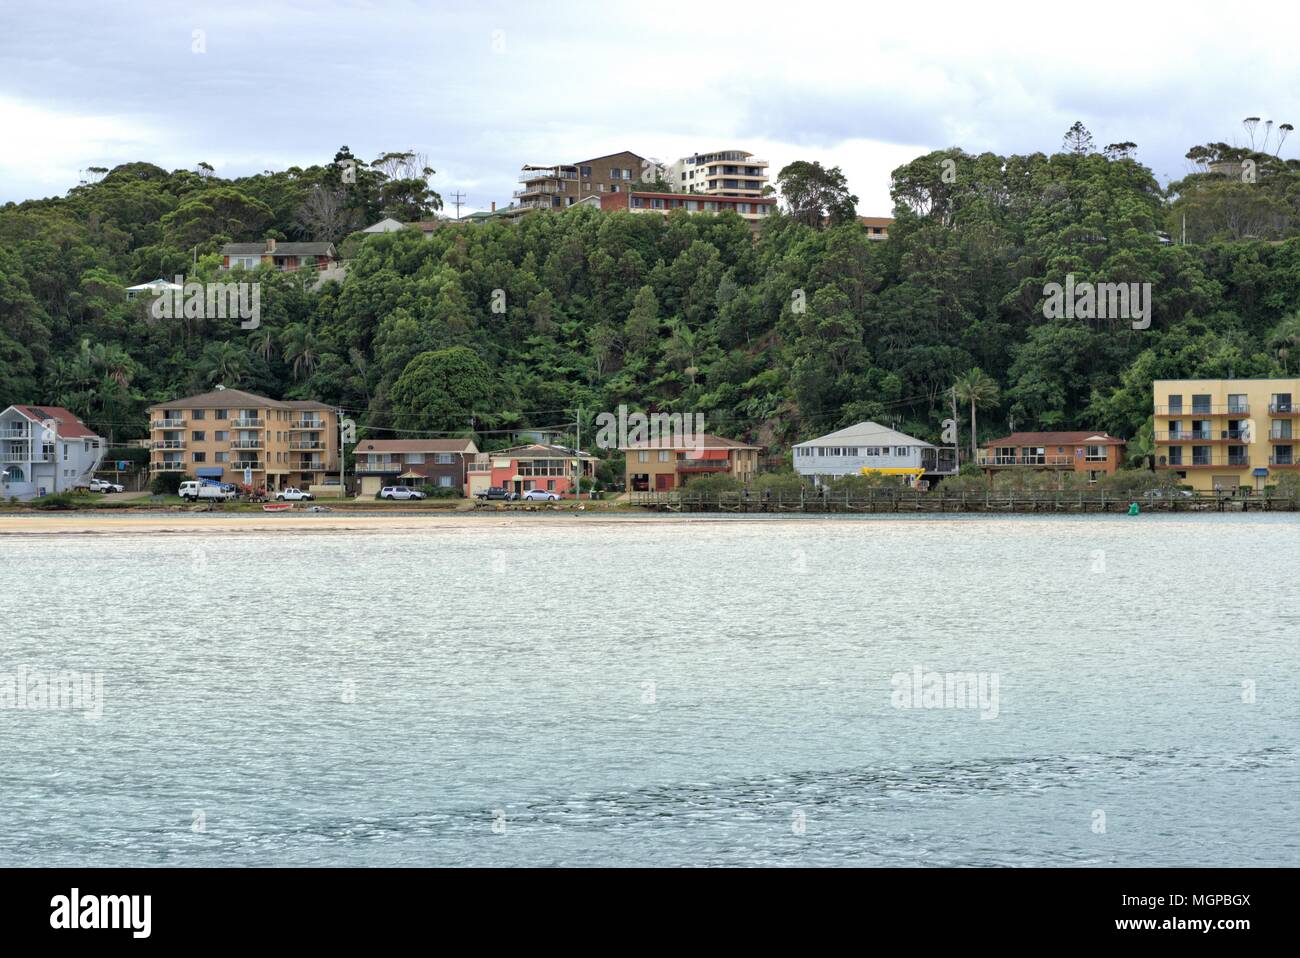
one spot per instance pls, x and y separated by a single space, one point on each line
866 434
158 283
281 249
1057 439
68 425
221 398
876 220
702 440
415 445
606 156
704 197
538 450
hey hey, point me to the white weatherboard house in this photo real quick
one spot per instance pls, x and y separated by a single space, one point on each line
45 449
869 445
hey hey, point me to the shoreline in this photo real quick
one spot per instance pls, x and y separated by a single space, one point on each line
94 524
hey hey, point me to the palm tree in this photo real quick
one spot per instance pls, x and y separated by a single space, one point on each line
680 351
223 362
980 390
263 342
1284 340
300 349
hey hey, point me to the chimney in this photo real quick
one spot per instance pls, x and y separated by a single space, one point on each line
270 246
494 206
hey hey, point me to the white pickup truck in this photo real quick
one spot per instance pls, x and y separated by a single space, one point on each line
293 494
193 491
103 485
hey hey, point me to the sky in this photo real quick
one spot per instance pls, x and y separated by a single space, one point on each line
482 88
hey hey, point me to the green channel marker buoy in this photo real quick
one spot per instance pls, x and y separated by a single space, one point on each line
1132 508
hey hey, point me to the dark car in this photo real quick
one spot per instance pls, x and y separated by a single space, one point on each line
498 492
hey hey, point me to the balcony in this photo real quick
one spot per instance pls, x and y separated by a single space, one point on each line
1210 461
169 444
307 424
377 465
1276 436
168 424
548 173
1283 462
1033 461
22 456
247 423
1284 409
1232 409
535 190
703 465
305 445
14 434
242 464
246 444
166 467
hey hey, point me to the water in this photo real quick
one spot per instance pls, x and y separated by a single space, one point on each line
680 692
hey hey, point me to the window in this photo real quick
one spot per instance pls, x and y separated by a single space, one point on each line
445 459
1281 429
198 437
900 451
1237 403
196 414
550 485
222 457
1094 454
414 459
444 481
643 457
220 414
1176 455
1280 402
220 435
585 170
664 455
1201 404
200 457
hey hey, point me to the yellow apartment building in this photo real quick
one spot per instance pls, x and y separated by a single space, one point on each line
229 435
1226 434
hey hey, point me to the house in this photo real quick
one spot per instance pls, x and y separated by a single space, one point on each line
720 173
870 447
1226 434
229 435
560 185
755 209
386 225
413 462
1094 453
667 463
538 466
45 450
152 288
877 227
288 257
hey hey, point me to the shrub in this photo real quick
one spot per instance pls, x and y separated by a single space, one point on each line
167 483
57 500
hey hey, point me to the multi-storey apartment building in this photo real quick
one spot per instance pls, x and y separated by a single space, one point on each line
665 464
563 184
413 462
229 435
1226 434
870 447
1094 453
44 450
721 173
754 209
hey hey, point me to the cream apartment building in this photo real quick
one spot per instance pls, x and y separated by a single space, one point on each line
721 173
229 435
1226 434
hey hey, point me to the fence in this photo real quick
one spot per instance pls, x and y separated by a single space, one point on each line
885 501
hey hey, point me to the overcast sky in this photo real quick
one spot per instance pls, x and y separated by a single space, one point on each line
483 87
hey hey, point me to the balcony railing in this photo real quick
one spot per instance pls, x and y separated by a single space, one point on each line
1232 409
169 444
703 465
305 445
1282 461
246 444
247 423
378 466
253 464
1284 408
166 467
169 424
1204 461
313 465
14 434
24 457
307 424
550 173
1276 435
986 459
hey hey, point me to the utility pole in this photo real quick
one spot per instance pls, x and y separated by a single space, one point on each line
956 425
342 459
578 423
457 198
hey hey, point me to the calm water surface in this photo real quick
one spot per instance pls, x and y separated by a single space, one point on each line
682 692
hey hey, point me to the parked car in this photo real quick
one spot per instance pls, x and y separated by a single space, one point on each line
534 495
103 485
497 492
400 492
293 494
192 491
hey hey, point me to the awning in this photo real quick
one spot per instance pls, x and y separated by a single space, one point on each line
209 472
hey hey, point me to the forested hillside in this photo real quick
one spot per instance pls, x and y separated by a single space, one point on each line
689 314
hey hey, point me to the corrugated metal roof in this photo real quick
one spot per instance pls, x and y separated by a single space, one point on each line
866 434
